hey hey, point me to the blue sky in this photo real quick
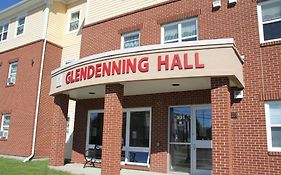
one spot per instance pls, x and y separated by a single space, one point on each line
7 3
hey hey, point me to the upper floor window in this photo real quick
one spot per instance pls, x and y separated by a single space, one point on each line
5 125
186 30
269 13
74 21
20 26
273 125
131 39
4 32
12 73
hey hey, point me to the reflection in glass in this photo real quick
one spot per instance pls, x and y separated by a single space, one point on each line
180 158
124 129
171 32
180 121
276 136
96 127
204 124
138 157
139 129
204 159
123 156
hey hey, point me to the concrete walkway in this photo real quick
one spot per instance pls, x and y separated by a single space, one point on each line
79 170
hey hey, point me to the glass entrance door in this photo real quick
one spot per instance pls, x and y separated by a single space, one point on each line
190 142
202 141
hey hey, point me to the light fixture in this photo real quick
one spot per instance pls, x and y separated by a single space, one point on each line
175 84
92 93
216 4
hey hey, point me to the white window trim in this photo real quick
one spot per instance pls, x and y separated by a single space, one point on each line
10 70
126 147
24 15
127 35
69 18
268 127
178 23
2 24
2 123
261 23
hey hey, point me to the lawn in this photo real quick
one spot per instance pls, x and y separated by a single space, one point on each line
15 167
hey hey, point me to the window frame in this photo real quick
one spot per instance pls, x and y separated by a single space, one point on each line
261 23
17 25
127 147
9 73
2 123
179 25
269 126
128 34
69 20
2 32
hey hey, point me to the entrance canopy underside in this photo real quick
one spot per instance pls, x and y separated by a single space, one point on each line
151 69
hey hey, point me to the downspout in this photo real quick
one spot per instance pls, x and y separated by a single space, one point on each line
44 37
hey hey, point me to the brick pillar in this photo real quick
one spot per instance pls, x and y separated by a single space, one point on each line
112 129
221 126
57 137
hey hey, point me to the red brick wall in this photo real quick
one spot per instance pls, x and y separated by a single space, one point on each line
52 61
159 104
20 99
261 68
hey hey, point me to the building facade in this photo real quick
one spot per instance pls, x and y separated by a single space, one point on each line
171 86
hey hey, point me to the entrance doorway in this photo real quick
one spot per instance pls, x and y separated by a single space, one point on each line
190 139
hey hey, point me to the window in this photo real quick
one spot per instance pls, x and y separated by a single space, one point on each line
186 30
273 124
130 40
12 73
5 124
74 21
20 26
4 32
269 14
135 134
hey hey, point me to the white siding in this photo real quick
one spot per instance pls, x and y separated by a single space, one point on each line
33 30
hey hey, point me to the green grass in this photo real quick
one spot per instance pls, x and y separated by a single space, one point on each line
15 167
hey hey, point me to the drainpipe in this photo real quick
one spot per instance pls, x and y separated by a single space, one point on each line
44 36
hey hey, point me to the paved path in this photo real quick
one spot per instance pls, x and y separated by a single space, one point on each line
79 170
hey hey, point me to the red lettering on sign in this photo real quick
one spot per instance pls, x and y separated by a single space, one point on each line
186 65
197 64
143 65
131 66
163 62
176 62
91 72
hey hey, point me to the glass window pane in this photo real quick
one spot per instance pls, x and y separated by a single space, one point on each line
171 32
272 30
124 129
74 25
74 16
6 27
131 40
123 156
276 136
5 35
180 128
1 29
96 128
139 129
204 124
204 159
138 157
21 21
189 28
20 30
180 158
275 113
271 11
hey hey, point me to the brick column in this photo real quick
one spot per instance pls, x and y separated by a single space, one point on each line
57 137
221 126
112 129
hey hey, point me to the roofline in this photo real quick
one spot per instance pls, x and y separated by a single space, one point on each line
13 6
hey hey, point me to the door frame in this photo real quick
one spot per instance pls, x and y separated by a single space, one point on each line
193 136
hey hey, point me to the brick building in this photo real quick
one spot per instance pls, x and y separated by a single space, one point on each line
172 86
